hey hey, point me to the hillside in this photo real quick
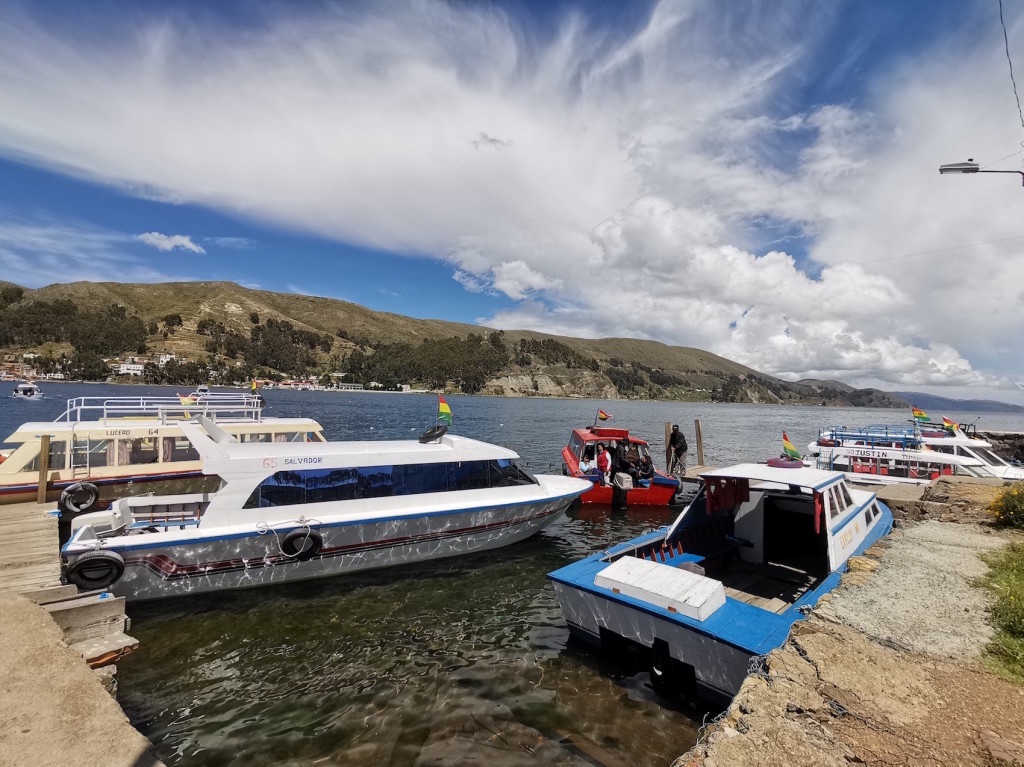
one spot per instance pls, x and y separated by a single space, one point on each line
228 328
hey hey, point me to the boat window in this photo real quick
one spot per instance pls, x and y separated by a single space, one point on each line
58 457
835 501
101 452
506 473
575 445
178 449
260 437
467 475
845 491
145 450
986 456
287 488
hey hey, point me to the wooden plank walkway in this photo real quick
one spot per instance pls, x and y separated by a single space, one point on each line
29 551
94 622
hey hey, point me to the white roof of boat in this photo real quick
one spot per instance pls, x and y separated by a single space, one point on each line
380 452
762 472
32 428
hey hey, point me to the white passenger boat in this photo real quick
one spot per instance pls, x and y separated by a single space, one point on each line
906 454
27 391
102 448
295 511
755 549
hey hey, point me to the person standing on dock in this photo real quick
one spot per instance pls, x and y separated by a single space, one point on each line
675 453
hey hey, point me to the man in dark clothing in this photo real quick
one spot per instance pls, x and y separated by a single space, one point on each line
676 450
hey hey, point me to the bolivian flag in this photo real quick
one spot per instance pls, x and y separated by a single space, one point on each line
788 448
948 425
919 415
187 400
602 416
444 413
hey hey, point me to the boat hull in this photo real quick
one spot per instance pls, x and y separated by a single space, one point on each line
658 494
719 667
170 483
251 559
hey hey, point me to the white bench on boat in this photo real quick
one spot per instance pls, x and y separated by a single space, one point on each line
670 588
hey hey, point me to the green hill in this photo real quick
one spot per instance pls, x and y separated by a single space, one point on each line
230 329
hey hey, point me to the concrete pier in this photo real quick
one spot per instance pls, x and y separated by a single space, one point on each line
55 707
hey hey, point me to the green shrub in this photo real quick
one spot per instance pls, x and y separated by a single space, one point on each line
1008 506
1006 580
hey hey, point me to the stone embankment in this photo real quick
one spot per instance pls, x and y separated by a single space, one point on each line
886 669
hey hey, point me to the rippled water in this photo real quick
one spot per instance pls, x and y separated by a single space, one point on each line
458 661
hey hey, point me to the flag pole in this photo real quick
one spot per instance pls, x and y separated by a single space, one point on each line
595 417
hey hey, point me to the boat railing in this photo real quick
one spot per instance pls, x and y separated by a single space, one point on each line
874 435
216 406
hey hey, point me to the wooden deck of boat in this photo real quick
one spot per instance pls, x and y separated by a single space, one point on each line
770 587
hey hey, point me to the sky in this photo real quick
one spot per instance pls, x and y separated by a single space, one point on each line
757 179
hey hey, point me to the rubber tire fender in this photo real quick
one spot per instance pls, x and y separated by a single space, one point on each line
96 570
432 434
79 497
302 544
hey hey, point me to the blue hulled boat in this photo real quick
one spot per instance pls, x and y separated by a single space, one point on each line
754 550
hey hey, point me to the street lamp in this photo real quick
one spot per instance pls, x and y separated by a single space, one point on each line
972 167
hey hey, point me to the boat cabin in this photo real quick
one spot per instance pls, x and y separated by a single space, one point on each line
769 535
127 446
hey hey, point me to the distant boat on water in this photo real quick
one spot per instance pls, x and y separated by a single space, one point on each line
28 391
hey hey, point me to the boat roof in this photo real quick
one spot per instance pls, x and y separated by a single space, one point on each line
605 434
815 479
33 429
222 455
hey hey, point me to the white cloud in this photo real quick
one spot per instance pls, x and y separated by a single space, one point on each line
168 242
611 185
37 251
237 243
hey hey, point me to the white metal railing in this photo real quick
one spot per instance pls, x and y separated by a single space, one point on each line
216 406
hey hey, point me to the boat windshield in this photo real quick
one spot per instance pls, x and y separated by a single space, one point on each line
985 455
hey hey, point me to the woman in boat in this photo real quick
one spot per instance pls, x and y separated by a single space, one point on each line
604 462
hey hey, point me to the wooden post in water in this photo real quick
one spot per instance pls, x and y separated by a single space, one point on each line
700 442
44 467
668 450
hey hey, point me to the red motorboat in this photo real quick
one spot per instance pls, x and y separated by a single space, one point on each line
658 491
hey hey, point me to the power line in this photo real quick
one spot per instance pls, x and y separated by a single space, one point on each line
1006 41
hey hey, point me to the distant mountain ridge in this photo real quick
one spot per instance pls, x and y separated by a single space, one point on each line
539 364
932 402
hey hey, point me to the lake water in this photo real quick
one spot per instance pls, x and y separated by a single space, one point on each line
458 661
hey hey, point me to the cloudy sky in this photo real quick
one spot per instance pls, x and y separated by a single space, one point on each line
755 179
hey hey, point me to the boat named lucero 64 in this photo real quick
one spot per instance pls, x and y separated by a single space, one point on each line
295 511
725 582
103 448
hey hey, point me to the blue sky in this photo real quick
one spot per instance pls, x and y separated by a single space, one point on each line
756 179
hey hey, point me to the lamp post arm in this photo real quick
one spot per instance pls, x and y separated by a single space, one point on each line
1018 172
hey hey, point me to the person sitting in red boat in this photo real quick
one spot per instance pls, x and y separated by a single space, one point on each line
645 469
587 464
604 462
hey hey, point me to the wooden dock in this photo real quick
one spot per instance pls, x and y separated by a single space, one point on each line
62 710
94 623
